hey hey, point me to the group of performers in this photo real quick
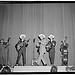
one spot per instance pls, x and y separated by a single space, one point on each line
42 48
46 47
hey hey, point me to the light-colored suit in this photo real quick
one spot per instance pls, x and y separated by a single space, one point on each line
42 51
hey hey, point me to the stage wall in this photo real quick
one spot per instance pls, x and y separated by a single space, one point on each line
33 19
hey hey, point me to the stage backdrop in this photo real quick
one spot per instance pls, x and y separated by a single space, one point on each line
32 19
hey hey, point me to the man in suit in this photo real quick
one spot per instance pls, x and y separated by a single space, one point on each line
64 52
41 45
2 53
7 44
50 48
21 49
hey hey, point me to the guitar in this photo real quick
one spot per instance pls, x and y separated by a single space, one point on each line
48 47
21 44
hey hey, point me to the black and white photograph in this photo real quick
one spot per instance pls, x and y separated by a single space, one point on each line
37 37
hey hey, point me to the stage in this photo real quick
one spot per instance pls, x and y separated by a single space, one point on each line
38 69
18 69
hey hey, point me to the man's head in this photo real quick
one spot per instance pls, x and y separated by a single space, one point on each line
41 36
2 41
51 37
54 68
6 69
22 37
65 40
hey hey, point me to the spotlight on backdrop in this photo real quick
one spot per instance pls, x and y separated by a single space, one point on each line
6 69
54 69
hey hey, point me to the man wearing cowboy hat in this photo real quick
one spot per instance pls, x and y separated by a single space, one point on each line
41 44
21 49
64 52
51 48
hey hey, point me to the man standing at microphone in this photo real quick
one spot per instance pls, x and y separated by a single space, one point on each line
41 45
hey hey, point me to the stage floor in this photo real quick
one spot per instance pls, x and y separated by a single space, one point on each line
37 69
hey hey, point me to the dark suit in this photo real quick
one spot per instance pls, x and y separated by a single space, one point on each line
51 51
22 52
2 54
64 54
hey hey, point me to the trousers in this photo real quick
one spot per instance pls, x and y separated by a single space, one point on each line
52 57
41 59
23 53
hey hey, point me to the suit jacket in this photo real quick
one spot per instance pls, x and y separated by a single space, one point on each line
41 46
48 46
25 44
51 45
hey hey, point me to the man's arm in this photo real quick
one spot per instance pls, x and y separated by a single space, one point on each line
37 46
17 45
61 48
54 43
48 46
26 44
